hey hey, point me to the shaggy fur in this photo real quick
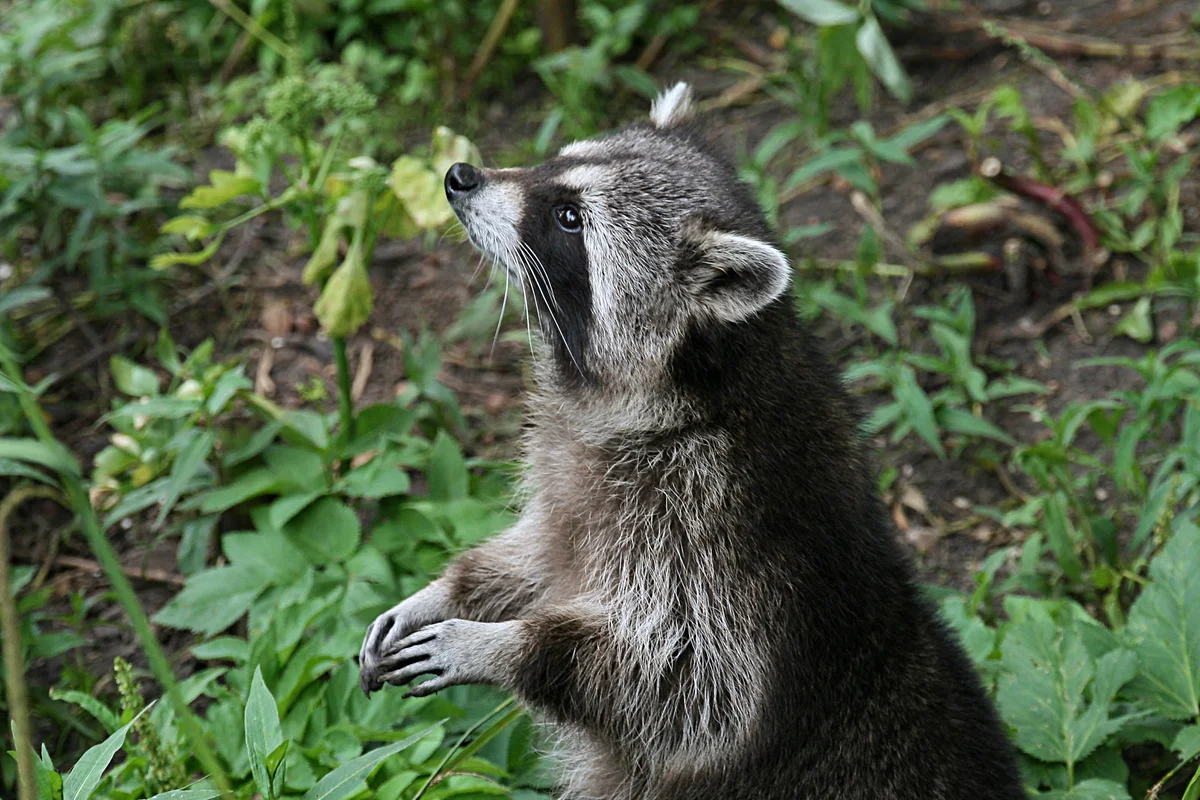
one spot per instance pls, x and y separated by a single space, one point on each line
703 597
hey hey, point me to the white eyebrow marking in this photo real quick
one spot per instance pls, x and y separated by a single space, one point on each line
585 177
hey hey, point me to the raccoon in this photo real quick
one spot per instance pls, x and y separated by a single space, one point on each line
703 597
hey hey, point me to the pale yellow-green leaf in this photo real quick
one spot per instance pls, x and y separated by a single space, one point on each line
189 225
345 304
419 188
450 148
350 212
224 186
192 259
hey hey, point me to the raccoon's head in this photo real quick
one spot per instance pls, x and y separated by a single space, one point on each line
625 244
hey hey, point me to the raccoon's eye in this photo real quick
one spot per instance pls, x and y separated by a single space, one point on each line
568 218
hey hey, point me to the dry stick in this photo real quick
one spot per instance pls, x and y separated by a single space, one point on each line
492 38
14 662
138 573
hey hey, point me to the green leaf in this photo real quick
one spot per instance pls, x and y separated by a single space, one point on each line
964 423
189 225
189 461
1171 110
1187 743
263 732
188 794
421 191
918 408
165 260
345 302
21 296
450 148
224 186
90 704
214 599
133 379
379 477
327 531
1137 324
1061 535
1047 669
346 779
1164 628
874 47
818 165
87 773
53 456
824 13
1193 788
249 485
1091 789
446 471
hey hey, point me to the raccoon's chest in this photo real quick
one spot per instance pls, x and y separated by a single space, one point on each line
633 520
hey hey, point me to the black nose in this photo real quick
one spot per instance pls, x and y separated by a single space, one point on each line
461 180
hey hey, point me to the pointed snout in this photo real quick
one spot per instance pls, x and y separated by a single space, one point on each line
462 180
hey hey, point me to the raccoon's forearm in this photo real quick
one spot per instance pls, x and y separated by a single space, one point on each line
497 580
574 668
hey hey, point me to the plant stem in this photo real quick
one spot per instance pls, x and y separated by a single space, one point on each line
122 588
14 654
345 401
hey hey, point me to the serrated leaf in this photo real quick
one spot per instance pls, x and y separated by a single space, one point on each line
214 599
446 470
87 773
90 704
328 531
1187 743
824 13
1164 629
1046 671
345 780
263 732
223 187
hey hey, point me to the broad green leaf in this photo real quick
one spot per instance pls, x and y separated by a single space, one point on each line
87 773
446 471
223 187
345 302
917 408
421 191
54 456
263 732
1046 672
874 47
1187 743
1164 628
187 463
824 13
133 379
825 162
1171 110
1061 535
214 599
328 531
346 779
17 469
1092 789
379 477
254 483
188 794
450 148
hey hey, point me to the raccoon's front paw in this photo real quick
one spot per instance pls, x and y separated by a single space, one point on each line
455 652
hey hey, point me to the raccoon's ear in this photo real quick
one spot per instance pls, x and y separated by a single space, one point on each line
734 276
672 107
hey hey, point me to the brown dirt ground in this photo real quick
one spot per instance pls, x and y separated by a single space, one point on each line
418 287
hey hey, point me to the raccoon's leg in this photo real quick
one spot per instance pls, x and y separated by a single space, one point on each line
493 581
